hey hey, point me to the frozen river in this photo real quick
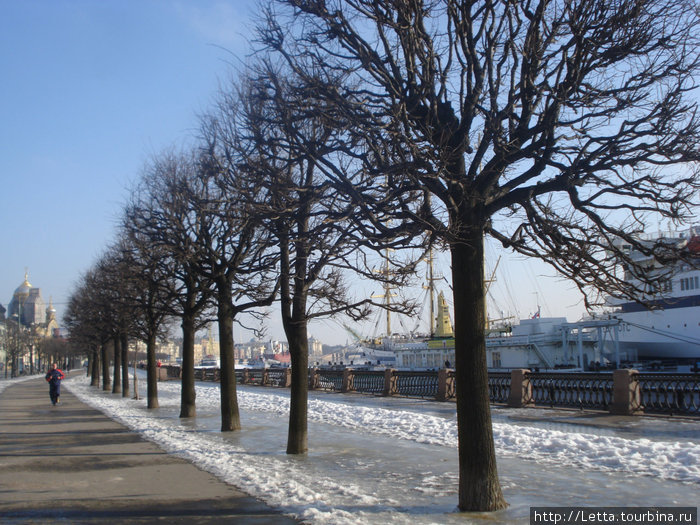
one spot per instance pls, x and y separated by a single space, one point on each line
379 460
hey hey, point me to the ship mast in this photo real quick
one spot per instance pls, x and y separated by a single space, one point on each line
488 283
387 291
387 295
431 278
431 290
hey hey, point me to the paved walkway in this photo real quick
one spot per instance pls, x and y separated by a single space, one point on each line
71 463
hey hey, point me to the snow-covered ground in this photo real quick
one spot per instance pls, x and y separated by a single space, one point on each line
379 460
5 382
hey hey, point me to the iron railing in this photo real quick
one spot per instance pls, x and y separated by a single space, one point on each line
499 387
582 390
416 384
330 380
670 393
368 381
652 393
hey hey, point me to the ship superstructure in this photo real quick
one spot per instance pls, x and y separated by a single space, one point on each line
666 325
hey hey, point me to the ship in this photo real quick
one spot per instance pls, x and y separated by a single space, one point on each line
535 343
546 343
667 326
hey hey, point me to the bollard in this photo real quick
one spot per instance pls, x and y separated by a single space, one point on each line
520 389
627 399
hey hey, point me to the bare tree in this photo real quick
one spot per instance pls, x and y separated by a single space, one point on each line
554 127
231 251
283 140
90 318
149 292
162 214
14 347
81 332
114 272
59 350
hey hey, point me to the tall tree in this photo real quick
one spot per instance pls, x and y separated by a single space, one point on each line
162 214
232 252
284 139
149 292
90 320
551 126
113 275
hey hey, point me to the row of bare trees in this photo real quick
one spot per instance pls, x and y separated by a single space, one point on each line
20 342
239 220
553 127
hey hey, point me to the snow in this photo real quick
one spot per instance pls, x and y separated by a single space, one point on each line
4 383
391 460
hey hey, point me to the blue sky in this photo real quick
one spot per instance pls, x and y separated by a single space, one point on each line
89 90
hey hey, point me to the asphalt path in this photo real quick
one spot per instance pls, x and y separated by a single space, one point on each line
71 464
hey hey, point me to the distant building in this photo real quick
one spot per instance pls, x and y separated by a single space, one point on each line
29 310
315 347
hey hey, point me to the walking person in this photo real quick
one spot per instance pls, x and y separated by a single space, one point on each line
54 377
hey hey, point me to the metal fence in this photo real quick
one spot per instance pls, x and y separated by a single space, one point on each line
416 384
655 393
585 390
499 387
330 380
368 381
670 393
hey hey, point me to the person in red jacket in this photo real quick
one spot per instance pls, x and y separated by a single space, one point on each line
54 377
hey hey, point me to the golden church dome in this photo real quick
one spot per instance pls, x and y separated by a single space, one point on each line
23 289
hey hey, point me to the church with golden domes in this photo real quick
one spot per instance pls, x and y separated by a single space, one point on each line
29 309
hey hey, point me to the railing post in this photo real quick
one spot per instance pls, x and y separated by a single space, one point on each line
627 398
389 382
265 380
246 376
442 385
347 380
520 388
313 378
287 381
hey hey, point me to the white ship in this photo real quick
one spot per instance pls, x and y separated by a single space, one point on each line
671 329
535 343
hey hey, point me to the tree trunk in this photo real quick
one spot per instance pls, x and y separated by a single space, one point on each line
297 436
95 367
230 417
116 371
479 488
187 393
105 366
151 372
125 364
